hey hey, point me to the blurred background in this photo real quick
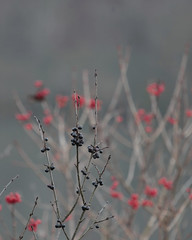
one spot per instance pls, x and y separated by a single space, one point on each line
54 41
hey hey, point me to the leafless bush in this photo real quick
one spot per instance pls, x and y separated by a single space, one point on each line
125 178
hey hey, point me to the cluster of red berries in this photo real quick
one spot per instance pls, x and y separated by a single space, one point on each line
13 198
156 89
168 184
33 224
113 192
149 191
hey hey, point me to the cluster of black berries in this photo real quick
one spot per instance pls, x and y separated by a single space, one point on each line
85 173
59 224
96 151
85 207
97 182
45 147
77 136
49 168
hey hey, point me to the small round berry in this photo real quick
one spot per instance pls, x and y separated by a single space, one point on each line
85 207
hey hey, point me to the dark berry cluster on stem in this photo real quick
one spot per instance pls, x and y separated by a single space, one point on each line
59 224
95 150
45 149
85 173
85 207
97 182
49 168
77 137
45 146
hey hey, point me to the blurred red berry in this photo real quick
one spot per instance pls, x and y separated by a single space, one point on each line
115 194
133 201
13 198
147 118
147 203
91 104
80 100
38 83
61 100
28 126
23 117
41 94
151 192
190 196
68 218
188 113
119 119
172 120
33 224
148 129
134 196
156 89
114 185
140 115
141 112
0 207
48 119
167 184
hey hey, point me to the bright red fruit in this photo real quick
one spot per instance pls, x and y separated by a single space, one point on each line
167 184
33 224
41 94
151 192
13 198
156 89
133 201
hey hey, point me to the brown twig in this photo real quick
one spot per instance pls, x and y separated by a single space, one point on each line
30 215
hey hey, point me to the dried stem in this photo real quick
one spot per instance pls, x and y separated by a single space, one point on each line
5 188
96 110
30 215
49 165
